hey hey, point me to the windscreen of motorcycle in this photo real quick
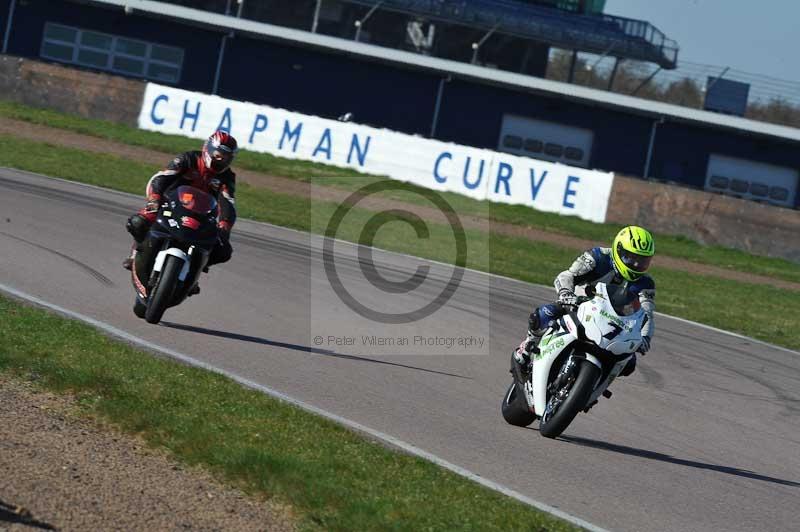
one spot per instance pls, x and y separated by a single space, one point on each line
195 200
617 334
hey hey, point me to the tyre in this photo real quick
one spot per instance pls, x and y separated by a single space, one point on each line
555 423
139 308
162 293
515 408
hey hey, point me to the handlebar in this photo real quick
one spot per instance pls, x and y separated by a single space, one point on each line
578 301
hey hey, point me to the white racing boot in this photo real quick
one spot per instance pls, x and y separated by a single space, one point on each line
521 358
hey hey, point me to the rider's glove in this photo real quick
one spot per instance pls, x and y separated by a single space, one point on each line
150 209
645 345
567 298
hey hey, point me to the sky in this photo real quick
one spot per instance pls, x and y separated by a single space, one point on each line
757 36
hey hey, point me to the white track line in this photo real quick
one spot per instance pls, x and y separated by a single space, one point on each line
400 444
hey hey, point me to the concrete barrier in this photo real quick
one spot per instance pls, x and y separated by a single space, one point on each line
88 94
708 218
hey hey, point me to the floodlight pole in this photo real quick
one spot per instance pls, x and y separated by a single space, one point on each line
223 42
650 146
613 75
359 23
220 57
11 8
603 56
315 23
572 63
437 107
646 81
477 45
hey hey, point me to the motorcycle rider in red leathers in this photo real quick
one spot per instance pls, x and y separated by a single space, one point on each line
209 170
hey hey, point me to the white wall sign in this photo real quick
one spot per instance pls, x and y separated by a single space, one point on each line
480 174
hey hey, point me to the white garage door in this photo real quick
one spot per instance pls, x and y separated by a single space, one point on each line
547 141
752 180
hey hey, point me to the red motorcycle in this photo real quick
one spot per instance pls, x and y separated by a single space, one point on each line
175 252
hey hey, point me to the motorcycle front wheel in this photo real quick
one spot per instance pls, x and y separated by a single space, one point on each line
555 421
162 293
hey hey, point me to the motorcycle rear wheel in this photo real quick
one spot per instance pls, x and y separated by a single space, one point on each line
162 293
553 425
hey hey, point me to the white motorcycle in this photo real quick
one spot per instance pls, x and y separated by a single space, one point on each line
577 359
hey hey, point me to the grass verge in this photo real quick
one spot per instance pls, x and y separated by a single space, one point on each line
334 478
668 245
770 315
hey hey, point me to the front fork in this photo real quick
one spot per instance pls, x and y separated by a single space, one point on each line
149 257
565 377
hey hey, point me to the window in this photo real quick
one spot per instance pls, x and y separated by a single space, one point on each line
759 189
739 185
718 181
779 193
553 149
103 51
575 154
533 145
129 47
512 141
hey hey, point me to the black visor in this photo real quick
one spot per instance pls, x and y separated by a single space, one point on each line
634 261
220 159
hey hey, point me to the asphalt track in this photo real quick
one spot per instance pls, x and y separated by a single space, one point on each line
704 436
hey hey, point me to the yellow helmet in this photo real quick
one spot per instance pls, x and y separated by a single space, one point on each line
632 251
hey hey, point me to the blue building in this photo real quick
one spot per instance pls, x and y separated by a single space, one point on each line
458 101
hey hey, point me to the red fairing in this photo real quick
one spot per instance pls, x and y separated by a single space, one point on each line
189 222
196 200
149 216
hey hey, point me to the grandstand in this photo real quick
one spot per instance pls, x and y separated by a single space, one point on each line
506 34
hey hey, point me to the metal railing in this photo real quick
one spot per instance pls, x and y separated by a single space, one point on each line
644 30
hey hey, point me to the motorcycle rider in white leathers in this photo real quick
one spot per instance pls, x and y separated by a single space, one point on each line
622 268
